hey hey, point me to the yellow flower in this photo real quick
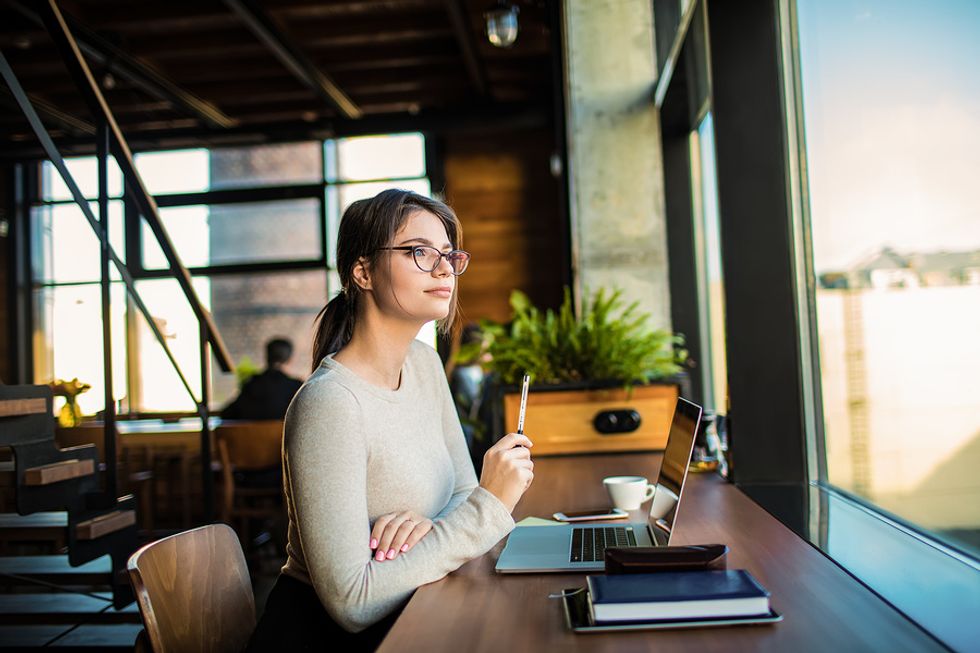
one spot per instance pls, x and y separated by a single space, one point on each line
68 389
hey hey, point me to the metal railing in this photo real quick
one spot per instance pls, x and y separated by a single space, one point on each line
110 141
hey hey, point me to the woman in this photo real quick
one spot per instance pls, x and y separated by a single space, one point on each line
381 494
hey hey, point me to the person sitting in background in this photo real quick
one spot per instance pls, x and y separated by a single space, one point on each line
267 394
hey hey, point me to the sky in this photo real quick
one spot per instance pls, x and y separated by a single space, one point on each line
892 112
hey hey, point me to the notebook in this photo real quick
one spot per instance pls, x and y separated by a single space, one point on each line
676 596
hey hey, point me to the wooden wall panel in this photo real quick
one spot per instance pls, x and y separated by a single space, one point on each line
501 187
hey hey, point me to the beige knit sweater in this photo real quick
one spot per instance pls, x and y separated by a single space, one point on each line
353 451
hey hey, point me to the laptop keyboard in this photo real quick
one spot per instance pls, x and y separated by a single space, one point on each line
589 544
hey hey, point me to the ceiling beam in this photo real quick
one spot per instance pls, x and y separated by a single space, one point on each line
135 71
481 120
335 49
64 120
298 64
320 9
459 18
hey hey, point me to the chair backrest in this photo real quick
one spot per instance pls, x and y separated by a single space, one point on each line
194 592
250 445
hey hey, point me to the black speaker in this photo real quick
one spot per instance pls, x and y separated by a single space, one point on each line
620 420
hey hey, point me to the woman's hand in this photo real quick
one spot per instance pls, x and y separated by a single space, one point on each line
507 469
397 532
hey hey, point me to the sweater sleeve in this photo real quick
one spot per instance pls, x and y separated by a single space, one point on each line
326 460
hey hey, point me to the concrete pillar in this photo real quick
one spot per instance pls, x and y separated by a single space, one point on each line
619 230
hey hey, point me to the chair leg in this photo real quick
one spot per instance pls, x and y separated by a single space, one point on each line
185 481
146 504
246 523
227 497
145 489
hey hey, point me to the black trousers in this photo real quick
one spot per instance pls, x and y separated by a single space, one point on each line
295 620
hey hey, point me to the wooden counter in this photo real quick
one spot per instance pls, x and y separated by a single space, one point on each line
824 609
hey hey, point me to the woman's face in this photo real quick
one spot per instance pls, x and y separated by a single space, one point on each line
412 293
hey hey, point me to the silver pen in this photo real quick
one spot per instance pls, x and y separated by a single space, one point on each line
520 416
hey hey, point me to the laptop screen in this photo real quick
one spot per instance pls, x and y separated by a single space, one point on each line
673 469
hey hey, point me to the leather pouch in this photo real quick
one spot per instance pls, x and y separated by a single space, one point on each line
648 559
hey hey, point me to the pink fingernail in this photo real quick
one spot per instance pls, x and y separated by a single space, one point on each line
391 553
374 543
404 548
380 556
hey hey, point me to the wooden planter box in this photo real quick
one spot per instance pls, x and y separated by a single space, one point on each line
560 419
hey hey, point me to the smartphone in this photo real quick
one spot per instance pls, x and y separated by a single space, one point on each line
588 515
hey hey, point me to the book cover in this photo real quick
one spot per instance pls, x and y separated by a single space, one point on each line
676 595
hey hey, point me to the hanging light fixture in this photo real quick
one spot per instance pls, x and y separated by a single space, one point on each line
502 24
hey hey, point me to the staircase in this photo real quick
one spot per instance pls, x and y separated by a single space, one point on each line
63 489
59 498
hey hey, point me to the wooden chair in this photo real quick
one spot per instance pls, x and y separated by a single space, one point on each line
247 451
194 592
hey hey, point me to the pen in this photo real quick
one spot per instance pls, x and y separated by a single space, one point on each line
520 416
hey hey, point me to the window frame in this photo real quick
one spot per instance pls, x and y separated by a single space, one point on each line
29 195
679 114
802 250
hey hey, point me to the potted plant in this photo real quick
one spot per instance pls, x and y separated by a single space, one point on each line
600 381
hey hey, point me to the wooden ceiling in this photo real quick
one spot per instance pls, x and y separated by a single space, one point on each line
203 69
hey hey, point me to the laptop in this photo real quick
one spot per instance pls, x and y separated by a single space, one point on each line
578 547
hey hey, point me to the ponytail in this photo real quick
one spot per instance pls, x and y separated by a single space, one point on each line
335 327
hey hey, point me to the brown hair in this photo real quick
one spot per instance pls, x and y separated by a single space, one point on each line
367 226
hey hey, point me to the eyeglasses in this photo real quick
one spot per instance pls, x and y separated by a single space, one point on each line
428 258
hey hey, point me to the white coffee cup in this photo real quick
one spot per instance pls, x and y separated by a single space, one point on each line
628 492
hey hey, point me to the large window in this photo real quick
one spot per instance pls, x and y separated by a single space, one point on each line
66 270
891 105
846 144
707 258
256 227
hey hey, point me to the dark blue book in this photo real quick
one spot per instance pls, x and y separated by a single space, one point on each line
676 595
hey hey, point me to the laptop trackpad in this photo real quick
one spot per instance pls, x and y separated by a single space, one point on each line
532 539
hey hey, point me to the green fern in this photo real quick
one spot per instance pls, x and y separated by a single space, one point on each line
606 343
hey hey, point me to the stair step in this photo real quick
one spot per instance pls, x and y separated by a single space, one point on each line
28 637
7 476
109 637
59 471
46 526
57 569
87 637
10 407
96 527
49 519
58 608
